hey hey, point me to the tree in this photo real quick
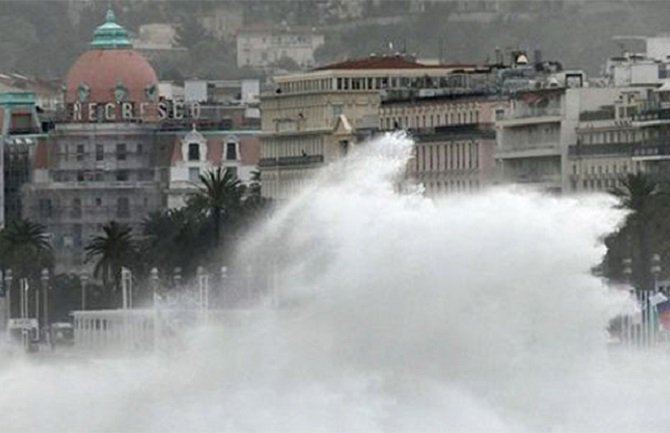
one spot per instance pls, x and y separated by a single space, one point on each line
112 250
25 248
174 238
190 31
219 197
641 196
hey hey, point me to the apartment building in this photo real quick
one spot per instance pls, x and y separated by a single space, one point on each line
632 134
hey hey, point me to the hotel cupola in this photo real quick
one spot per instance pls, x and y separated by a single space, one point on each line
111 82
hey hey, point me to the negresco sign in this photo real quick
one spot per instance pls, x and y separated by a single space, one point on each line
119 111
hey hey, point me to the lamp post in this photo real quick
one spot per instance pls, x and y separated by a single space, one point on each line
177 277
224 278
83 279
45 291
153 279
655 269
8 293
127 288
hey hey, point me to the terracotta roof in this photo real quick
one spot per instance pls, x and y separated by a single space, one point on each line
41 155
102 70
387 62
214 150
250 148
176 150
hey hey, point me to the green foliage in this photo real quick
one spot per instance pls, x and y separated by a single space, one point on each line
112 250
645 231
174 238
219 198
25 248
190 31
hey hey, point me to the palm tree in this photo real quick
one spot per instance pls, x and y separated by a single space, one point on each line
173 238
25 248
114 249
639 194
219 197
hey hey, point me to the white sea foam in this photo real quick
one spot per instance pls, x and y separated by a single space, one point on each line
398 313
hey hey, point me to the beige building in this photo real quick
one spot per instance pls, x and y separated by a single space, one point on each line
455 139
314 118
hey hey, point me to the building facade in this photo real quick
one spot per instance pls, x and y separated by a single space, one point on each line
454 138
314 118
630 135
111 154
196 152
534 137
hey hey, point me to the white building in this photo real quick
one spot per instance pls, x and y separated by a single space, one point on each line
196 152
630 135
533 139
263 48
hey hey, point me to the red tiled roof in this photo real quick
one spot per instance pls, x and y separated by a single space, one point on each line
214 150
176 151
41 155
389 62
102 70
250 148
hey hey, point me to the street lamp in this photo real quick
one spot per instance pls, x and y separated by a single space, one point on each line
627 269
45 289
8 292
153 278
177 276
83 279
655 268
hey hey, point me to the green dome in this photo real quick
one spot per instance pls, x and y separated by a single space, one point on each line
110 34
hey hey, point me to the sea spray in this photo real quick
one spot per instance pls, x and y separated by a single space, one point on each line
391 312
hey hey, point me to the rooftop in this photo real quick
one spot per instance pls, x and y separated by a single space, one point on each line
388 62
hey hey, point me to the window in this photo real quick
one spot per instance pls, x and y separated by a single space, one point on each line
80 152
194 174
193 152
45 209
121 152
123 207
122 175
99 152
76 208
140 149
80 176
98 201
77 235
231 151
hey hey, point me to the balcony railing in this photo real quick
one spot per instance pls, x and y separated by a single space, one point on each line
291 161
530 113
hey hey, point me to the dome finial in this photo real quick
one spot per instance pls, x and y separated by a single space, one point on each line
110 34
110 17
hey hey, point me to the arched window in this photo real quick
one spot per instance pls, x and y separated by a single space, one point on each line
231 151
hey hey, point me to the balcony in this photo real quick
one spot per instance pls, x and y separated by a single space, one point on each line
545 180
530 113
532 150
288 161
